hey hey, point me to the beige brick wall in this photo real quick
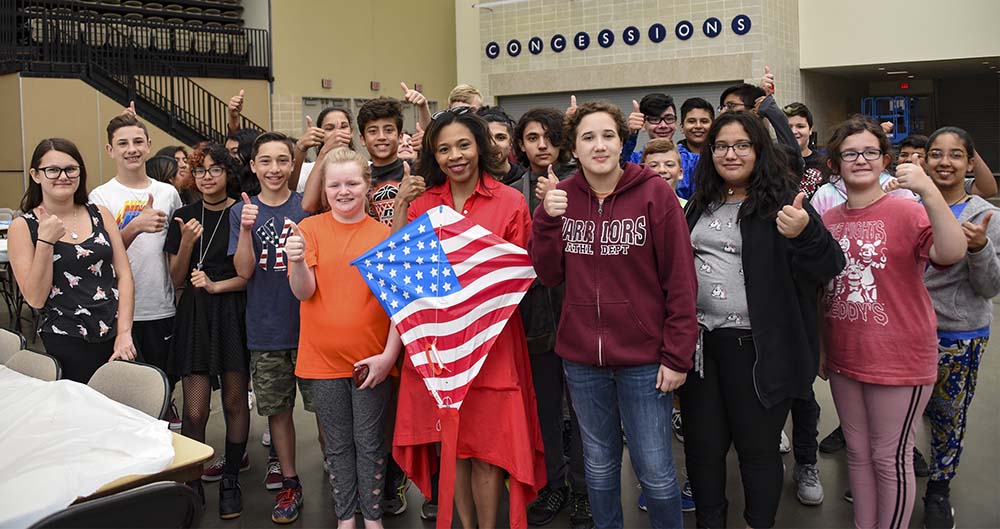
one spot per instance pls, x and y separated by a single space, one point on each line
287 114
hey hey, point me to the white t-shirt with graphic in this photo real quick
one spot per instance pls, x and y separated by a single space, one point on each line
154 292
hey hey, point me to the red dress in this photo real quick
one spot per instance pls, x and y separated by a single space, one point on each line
499 416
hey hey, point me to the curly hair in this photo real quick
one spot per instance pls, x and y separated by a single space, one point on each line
772 184
551 121
381 108
586 109
427 165
218 153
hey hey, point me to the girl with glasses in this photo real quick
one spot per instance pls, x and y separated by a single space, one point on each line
70 263
209 340
761 253
880 351
457 164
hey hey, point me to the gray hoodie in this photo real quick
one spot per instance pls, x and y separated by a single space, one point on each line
962 293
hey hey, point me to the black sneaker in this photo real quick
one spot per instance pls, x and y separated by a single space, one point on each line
920 467
230 498
938 512
547 505
833 442
580 516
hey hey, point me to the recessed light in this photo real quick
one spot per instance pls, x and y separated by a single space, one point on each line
881 68
986 62
910 76
992 67
897 72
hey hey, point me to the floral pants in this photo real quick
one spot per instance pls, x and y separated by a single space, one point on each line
958 368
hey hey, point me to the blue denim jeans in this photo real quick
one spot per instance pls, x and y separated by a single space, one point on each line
606 400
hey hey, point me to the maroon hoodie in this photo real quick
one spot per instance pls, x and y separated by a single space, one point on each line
629 272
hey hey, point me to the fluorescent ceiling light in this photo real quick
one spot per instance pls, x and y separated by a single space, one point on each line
897 72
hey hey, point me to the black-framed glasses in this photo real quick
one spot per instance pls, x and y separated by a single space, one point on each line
868 154
741 149
457 111
53 172
731 106
215 171
669 119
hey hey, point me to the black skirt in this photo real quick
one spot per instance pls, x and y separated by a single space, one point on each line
209 334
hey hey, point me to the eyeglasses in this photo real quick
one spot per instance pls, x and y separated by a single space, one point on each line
869 154
215 171
457 111
669 119
53 173
742 149
731 106
955 156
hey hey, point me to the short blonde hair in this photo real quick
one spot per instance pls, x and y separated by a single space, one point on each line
343 155
657 146
464 93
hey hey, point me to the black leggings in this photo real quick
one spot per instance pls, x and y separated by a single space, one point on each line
78 358
722 409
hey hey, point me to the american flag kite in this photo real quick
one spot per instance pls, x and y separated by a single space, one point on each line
449 286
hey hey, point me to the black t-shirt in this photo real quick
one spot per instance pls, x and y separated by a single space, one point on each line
217 262
385 187
814 160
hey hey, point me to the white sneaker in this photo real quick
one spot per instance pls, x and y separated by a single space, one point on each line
785 445
250 399
265 438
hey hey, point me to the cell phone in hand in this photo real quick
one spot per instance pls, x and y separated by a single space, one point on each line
360 375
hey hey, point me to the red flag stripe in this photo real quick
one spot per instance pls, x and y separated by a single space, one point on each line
447 301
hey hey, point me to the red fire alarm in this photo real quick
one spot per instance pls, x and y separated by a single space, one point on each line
326 83
904 85
376 86
419 87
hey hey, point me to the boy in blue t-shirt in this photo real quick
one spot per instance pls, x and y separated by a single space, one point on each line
259 227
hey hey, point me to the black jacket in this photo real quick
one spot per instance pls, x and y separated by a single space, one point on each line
783 278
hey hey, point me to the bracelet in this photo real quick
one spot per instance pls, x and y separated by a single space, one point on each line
52 244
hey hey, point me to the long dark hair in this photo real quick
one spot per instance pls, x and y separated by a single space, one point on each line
428 167
33 196
963 136
772 184
162 168
221 157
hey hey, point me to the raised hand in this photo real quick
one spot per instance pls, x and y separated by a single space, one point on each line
249 214
295 245
412 96
417 139
150 220
793 219
571 109
50 227
636 119
975 234
236 104
312 136
410 187
912 176
554 200
545 183
767 81
336 138
130 110
886 127
190 231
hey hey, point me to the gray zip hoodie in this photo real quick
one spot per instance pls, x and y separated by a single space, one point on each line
962 293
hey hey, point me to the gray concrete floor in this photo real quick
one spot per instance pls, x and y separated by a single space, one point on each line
975 492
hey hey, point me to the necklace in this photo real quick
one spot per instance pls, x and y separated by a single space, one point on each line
965 198
201 242
207 203
72 233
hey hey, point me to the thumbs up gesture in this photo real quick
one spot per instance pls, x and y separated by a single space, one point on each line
150 220
50 227
236 104
190 231
312 136
554 200
249 214
793 219
410 187
912 176
571 109
975 234
295 245
130 110
767 81
412 96
636 119
417 139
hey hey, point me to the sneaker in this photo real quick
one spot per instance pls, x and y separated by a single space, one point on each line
920 467
230 498
174 418
580 516
549 503
395 504
273 479
833 442
938 512
250 399
676 424
784 446
287 505
810 490
429 511
326 465
642 502
687 497
265 438
848 497
214 471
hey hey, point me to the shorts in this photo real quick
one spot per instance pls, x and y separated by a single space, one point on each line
274 381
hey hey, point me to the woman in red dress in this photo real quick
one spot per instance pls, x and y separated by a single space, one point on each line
499 430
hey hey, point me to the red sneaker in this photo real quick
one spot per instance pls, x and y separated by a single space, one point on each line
214 471
273 479
174 418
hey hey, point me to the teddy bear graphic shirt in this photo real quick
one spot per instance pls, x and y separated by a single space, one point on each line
718 262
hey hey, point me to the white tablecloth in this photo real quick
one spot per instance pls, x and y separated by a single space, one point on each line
62 440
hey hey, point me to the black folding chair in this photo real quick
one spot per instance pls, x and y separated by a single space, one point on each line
164 505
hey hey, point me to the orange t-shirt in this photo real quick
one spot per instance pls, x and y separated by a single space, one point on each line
342 322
